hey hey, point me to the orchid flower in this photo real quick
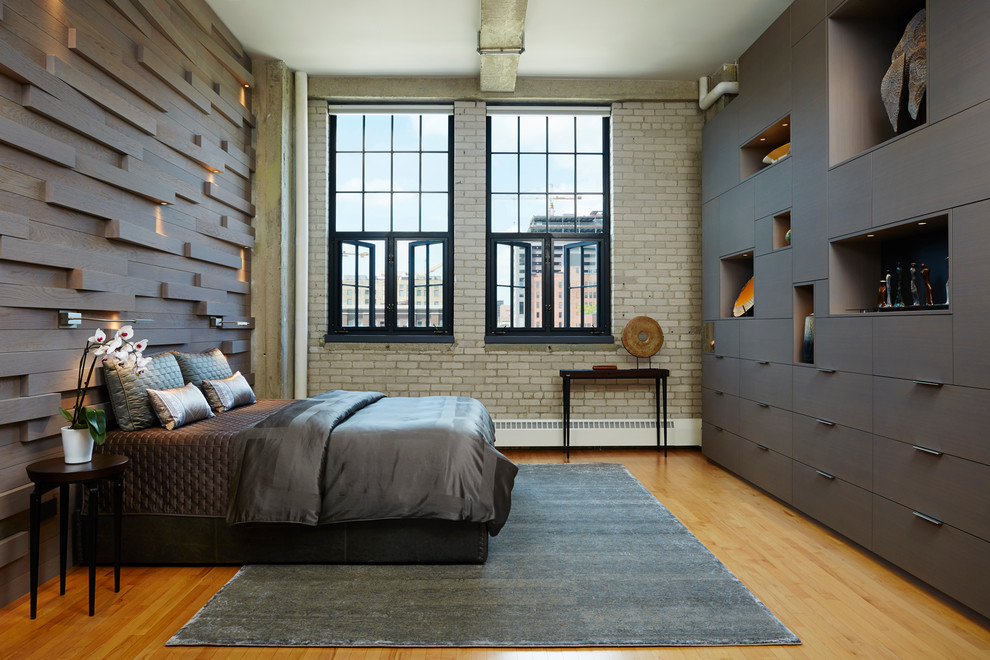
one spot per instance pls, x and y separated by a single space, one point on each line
98 337
125 332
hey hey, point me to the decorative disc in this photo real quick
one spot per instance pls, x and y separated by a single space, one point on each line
642 337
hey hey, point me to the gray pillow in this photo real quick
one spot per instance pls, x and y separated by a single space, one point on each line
228 393
179 406
197 367
129 390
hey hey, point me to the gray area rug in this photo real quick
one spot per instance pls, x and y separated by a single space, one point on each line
588 558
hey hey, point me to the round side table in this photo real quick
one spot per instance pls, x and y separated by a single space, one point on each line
55 472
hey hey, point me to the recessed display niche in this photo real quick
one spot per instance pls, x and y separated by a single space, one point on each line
804 324
897 269
782 230
862 38
766 149
735 273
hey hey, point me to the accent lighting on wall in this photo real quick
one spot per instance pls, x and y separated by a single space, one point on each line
75 319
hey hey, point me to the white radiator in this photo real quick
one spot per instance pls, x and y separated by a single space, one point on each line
595 432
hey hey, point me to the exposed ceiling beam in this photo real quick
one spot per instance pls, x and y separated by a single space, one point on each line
500 42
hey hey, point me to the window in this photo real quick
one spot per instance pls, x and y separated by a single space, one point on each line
548 225
391 222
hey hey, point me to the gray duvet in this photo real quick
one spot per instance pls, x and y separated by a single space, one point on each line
350 456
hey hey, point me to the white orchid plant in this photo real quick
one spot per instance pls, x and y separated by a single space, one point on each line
123 351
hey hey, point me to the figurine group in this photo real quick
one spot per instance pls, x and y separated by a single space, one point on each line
889 294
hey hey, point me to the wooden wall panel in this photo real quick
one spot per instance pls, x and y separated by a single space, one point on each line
126 174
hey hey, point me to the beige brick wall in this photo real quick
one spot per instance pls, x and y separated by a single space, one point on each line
656 262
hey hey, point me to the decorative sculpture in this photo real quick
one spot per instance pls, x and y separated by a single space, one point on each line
882 294
908 64
915 300
925 272
888 289
898 300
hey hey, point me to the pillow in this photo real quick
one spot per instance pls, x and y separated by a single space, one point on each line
179 406
196 367
129 390
228 393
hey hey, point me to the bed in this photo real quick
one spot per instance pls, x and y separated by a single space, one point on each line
340 477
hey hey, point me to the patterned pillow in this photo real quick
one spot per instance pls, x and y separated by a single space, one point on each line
179 406
197 367
129 390
228 393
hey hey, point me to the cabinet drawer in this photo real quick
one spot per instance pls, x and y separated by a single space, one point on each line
727 337
766 339
720 446
737 218
772 282
720 373
760 380
840 397
920 414
844 344
765 425
720 409
913 347
766 469
950 560
773 188
838 450
950 489
842 506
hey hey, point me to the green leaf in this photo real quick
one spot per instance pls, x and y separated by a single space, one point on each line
66 414
97 421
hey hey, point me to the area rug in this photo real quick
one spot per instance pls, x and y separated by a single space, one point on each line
587 558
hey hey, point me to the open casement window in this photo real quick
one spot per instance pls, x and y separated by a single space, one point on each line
391 224
548 226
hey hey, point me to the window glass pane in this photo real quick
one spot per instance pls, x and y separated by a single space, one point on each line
517 294
591 205
576 276
532 173
589 134
348 175
561 210
532 133
505 213
435 212
405 133
589 174
532 213
378 172
405 172
505 173
377 212
405 212
435 172
561 133
561 173
349 132
377 132
505 133
347 213
435 133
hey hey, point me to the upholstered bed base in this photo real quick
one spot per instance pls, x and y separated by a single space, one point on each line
161 539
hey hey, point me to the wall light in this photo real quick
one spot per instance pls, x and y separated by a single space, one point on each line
75 319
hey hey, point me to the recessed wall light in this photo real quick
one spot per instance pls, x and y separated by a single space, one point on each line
922 223
870 235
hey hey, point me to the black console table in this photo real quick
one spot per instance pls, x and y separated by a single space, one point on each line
659 376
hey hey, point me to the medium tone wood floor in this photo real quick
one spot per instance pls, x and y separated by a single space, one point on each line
839 600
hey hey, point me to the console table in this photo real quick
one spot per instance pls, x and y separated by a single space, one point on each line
55 472
659 376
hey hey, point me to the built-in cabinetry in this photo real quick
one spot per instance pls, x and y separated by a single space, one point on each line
876 426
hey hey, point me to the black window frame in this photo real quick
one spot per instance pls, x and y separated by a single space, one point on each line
392 242
599 334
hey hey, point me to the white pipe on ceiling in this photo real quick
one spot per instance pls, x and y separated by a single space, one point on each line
706 97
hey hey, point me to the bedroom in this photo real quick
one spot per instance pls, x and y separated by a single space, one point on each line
179 245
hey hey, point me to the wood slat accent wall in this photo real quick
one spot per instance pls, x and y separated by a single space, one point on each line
126 185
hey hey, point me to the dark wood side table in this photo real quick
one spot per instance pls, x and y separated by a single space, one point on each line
657 375
53 472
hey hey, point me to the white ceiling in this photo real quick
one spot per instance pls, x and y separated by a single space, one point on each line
646 39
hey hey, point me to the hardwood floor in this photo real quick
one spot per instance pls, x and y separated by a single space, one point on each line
838 599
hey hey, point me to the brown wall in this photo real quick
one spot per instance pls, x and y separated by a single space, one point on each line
125 190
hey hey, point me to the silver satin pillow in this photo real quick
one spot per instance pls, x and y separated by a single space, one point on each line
228 393
180 406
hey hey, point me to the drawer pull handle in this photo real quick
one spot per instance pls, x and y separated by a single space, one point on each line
926 450
718 428
825 422
764 362
928 383
762 447
761 404
934 521
827 371
719 392
719 357
825 474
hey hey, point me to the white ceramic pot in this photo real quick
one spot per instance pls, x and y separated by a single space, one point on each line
77 445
